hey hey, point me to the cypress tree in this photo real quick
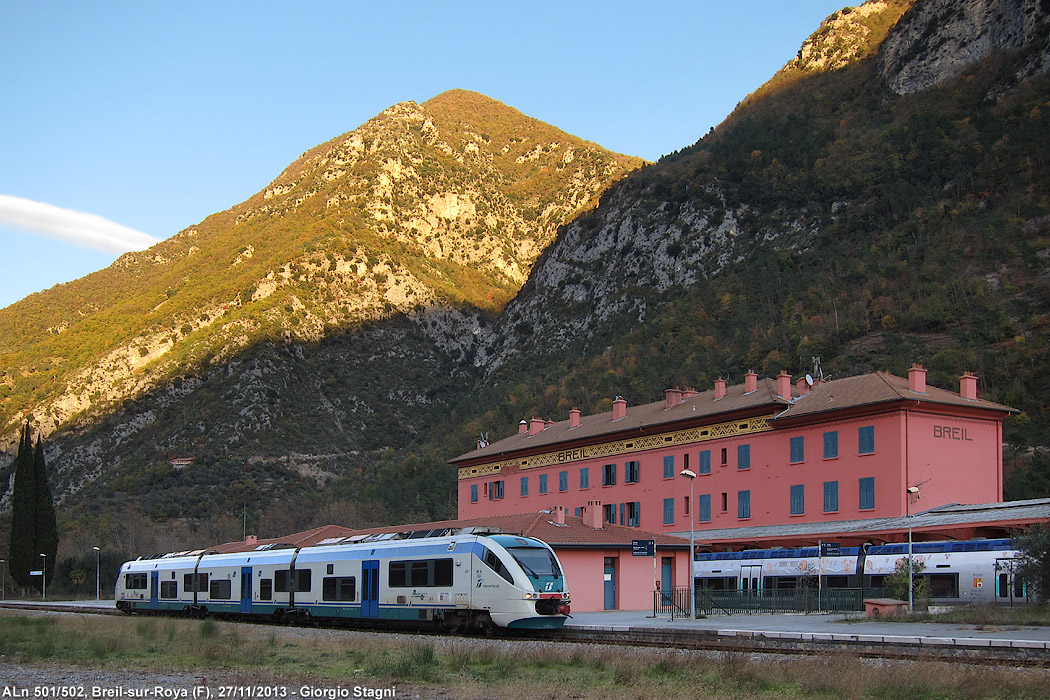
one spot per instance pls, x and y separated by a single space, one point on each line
45 525
23 557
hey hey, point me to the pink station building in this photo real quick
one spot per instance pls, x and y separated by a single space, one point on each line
765 452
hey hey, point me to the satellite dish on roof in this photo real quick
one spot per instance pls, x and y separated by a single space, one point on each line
809 379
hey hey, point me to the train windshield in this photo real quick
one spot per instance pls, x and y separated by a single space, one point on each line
537 562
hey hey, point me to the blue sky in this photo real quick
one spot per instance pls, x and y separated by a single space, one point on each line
154 115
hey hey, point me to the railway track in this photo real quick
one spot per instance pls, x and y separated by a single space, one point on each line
917 648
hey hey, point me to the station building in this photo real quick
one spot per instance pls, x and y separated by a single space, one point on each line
766 452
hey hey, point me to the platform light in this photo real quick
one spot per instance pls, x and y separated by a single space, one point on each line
691 475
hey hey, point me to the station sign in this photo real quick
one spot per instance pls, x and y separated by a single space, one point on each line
643 548
830 549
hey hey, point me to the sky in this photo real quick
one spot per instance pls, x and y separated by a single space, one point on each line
123 123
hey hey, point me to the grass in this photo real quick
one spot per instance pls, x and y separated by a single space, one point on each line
1028 615
497 670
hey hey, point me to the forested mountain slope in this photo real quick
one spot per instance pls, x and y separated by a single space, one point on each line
873 205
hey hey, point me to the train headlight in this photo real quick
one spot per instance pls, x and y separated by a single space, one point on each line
530 596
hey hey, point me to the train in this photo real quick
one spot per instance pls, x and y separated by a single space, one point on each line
958 571
454 580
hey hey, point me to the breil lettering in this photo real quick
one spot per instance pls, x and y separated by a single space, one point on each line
951 433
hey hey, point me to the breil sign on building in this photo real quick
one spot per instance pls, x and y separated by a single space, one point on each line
948 432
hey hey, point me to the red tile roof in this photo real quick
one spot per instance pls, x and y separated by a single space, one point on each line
540 525
875 388
837 394
601 426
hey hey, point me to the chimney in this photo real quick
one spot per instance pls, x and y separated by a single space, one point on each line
917 379
784 385
592 515
523 426
574 418
536 426
720 388
688 393
750 381
968 386
672 397
559 514
548 423
619 408
802 386
251 540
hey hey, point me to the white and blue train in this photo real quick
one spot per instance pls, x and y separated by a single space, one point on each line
971 571
453 581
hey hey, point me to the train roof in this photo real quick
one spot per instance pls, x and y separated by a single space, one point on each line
950 546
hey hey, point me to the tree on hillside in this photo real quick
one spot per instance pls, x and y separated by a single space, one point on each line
34 530
21 546
44 520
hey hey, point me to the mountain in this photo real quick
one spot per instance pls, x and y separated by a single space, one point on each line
325 316
882 200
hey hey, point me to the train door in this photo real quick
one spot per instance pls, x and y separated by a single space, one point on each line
246 589
751 579
370 588
1008 582
154 589
610 583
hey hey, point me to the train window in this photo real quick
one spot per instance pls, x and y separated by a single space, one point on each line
266 589
169 589
135 581
494 563
339 588
944 585
298 579
420 573
536 561
331 569
220 589
202 583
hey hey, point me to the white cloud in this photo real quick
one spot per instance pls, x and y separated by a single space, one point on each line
80 228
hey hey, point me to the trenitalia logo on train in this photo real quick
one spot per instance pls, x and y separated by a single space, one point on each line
470 579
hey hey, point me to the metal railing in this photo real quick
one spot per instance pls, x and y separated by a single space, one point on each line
788 600
671 603
674 603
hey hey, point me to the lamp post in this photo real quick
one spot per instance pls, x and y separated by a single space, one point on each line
3 579
43 577
691 475
912 491
98 583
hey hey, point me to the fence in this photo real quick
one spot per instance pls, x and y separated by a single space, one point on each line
675 603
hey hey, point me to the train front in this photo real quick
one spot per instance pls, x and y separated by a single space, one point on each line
545 595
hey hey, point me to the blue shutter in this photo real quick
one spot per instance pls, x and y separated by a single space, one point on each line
831 496
866 439
704 467
743 456
623 519
831 444
669 467
543 483
524 486
585 478
703 507
743 504
473 493
563 481
668 511
867 493
798 499
798 449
